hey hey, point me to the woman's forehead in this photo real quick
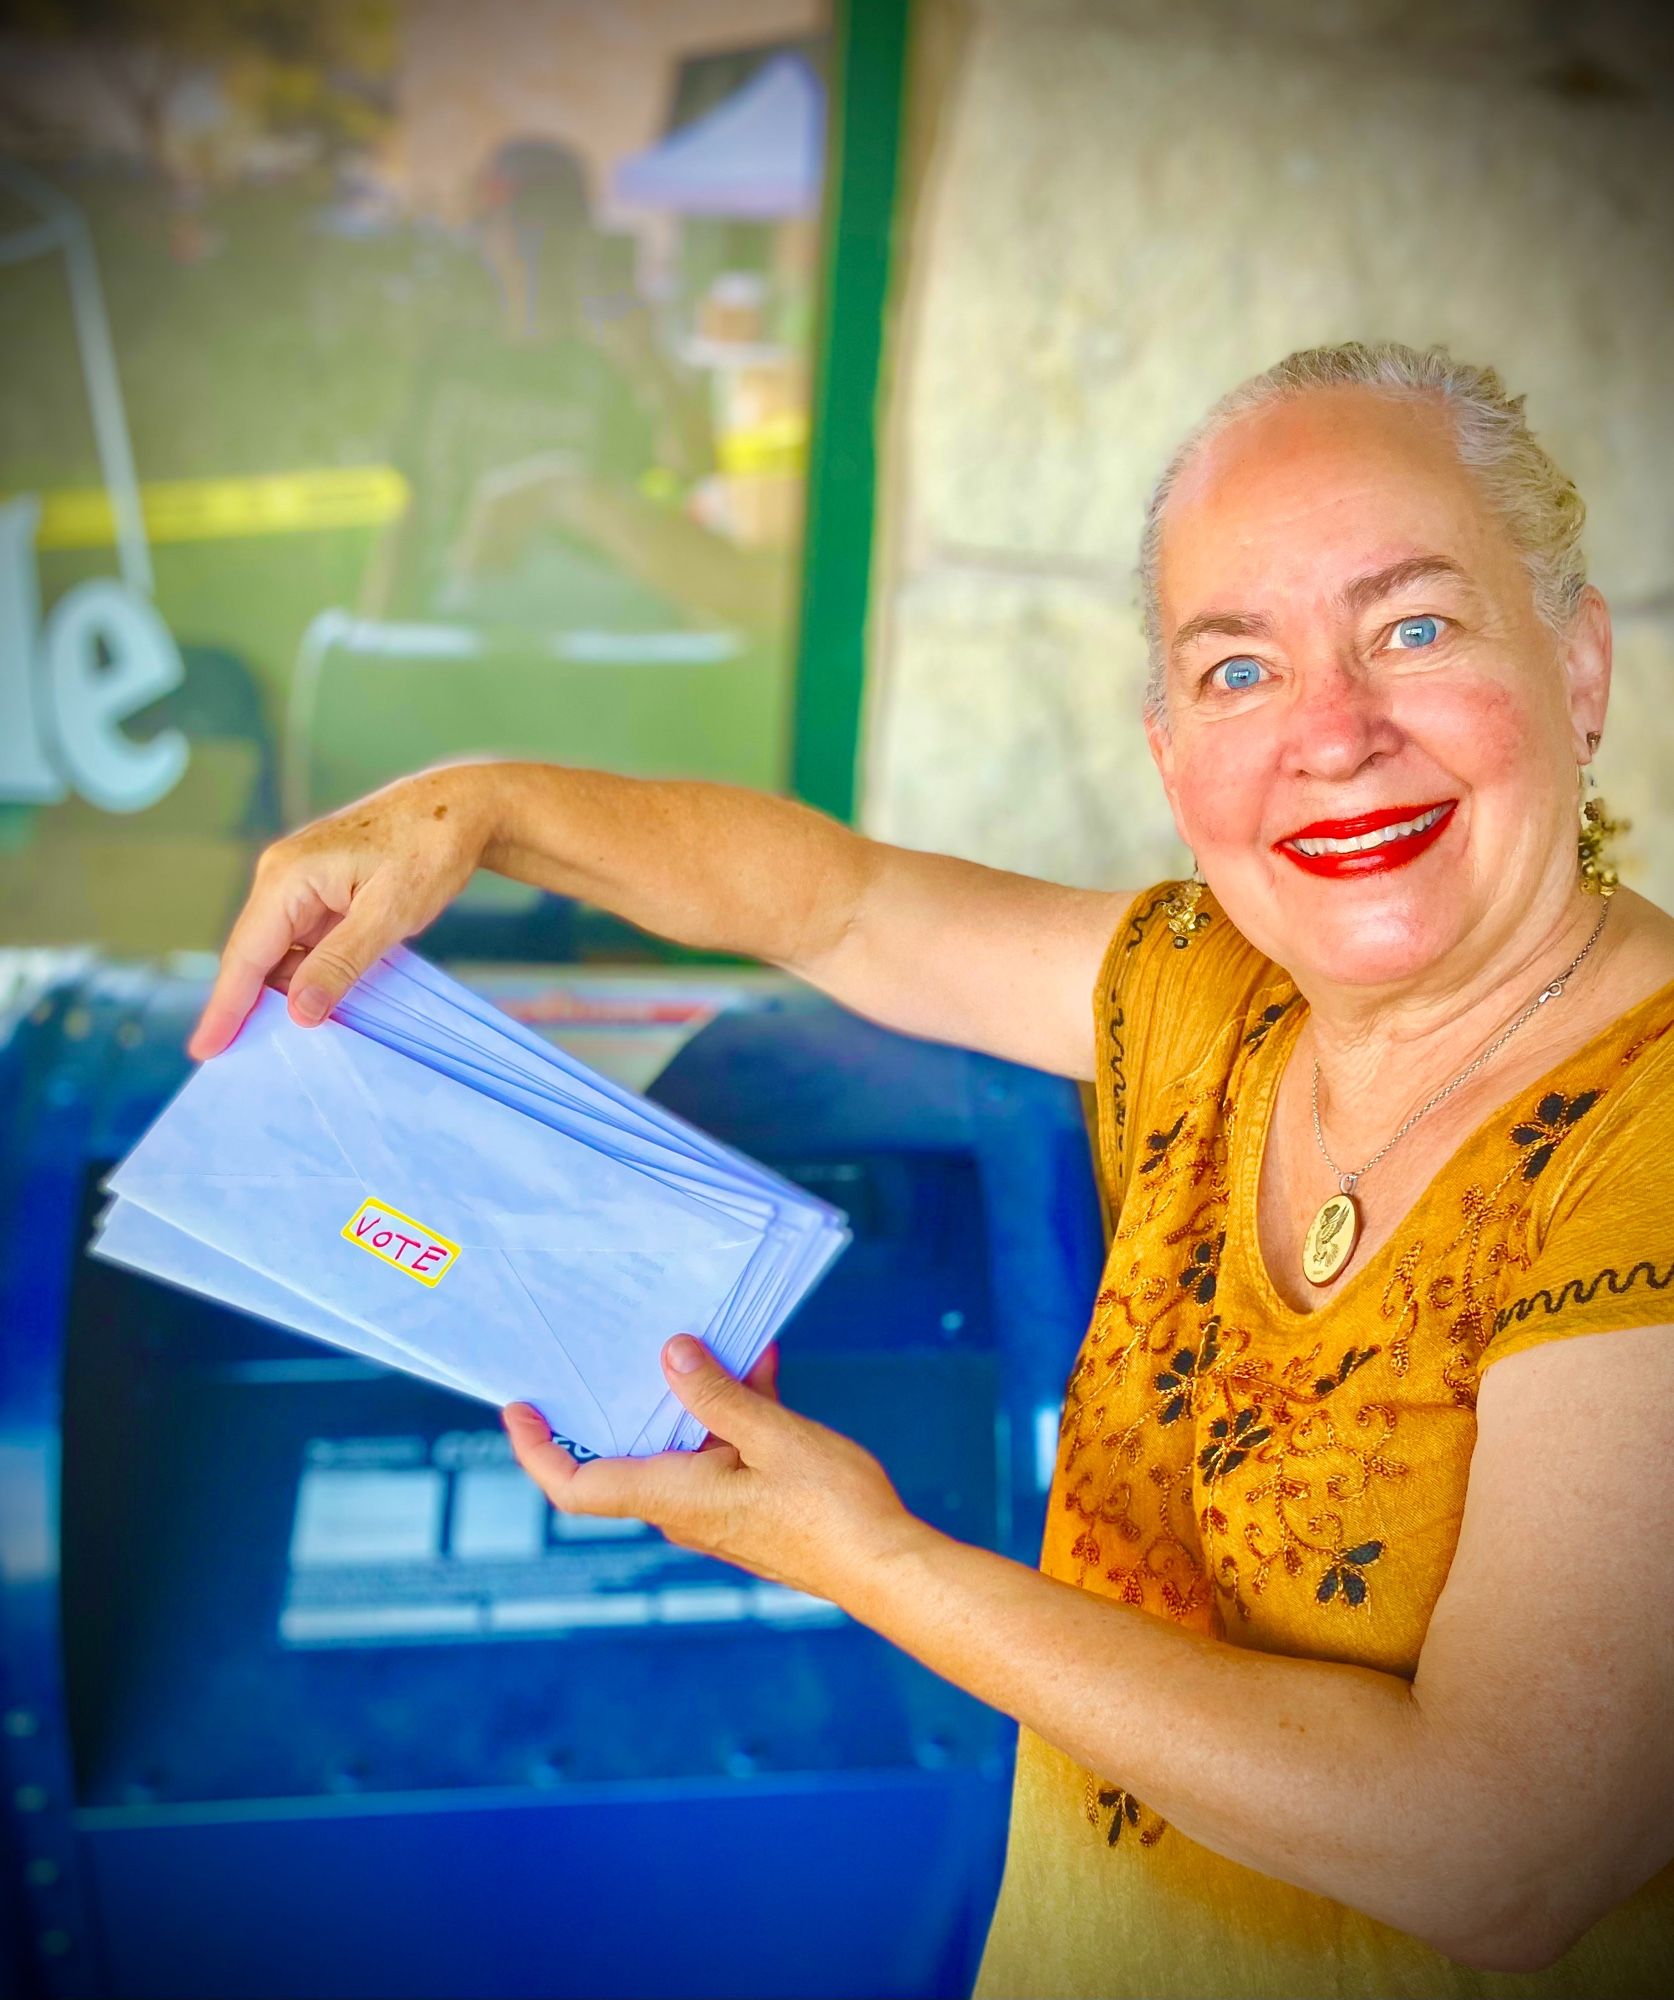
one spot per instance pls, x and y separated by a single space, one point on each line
1307 493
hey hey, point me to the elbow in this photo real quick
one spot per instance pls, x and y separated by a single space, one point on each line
1523 1930
1503 1954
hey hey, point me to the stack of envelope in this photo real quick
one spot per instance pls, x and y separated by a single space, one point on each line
425 1182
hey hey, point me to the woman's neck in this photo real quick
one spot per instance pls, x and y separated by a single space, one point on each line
1383 1054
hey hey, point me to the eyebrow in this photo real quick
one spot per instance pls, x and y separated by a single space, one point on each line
1356 595
1231 624
1365 591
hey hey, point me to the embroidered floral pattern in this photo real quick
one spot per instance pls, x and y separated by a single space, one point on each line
1198 1278
1345 1574
1158 1143
1240 1479
1545 1131
1175 1381
1125 1810
1353 1358
1267 1020
1231 1440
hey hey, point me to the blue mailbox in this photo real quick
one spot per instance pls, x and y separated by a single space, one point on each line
303 1690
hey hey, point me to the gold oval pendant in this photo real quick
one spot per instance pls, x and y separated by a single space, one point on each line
1330 1239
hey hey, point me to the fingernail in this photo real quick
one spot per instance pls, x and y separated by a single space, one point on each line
313 1003
684 1354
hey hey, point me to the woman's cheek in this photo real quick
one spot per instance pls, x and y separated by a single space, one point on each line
1480 732
1223 786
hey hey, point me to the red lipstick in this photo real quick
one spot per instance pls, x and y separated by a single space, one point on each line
1337 865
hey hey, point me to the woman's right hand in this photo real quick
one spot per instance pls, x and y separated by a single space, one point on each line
335 895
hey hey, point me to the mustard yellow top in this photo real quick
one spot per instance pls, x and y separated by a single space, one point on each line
1294 1481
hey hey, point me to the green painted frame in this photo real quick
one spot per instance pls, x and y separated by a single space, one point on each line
870 47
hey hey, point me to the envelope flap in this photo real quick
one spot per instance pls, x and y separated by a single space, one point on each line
480 1172
236 1119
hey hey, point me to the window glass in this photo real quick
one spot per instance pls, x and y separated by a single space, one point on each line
383 383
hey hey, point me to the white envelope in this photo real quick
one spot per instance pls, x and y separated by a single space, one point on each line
450 1225
140 1241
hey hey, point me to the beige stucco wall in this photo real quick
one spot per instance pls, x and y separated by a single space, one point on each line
1115 211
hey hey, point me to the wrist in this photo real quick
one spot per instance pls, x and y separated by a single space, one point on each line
500 803
875 1567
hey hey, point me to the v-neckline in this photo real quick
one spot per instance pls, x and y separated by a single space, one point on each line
1253 1130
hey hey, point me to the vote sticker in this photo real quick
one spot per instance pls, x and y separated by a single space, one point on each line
386 1233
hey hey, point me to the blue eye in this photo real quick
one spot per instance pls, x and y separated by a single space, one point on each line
1239 674
1415 632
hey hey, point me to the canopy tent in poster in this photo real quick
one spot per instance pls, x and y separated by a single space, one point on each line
756 157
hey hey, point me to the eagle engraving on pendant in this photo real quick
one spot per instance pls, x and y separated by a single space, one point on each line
1330 1240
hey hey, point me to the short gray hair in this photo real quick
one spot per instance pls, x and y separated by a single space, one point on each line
1534 498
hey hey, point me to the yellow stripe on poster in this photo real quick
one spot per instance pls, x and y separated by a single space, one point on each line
778 445
206 510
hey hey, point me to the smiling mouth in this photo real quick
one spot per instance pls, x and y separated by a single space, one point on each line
1369 843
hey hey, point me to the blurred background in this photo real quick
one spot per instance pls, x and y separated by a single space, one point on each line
440 379
764 390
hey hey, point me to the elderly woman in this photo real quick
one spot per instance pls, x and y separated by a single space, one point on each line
1347 1667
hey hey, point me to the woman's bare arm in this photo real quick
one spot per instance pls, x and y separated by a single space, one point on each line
1521 1786
923 943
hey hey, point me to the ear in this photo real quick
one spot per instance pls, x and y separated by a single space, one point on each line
1585 656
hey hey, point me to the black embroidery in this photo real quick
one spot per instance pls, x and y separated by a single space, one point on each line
1231 1440
1138 925
1201 1272
1158 1143
1268 1020
1118 1048
1125 1810
1544 1132
1581 1291
1344 1574
1175 1381
1355 1357
1118 1089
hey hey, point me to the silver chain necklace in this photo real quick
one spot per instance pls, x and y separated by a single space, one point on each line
1331 1237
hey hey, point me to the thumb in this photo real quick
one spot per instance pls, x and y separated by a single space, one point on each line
734 1412
338 960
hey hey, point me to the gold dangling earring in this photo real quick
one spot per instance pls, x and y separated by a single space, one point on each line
1598 829
1181 912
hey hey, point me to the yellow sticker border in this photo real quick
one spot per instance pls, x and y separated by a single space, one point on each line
383 1256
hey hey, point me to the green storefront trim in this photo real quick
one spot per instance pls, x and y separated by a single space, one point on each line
864 147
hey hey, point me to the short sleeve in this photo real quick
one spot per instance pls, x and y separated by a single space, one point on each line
1606 1255
1159 1005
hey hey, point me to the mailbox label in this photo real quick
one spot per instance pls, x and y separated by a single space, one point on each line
397 1239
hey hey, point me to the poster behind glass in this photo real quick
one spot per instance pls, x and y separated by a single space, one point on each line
384 383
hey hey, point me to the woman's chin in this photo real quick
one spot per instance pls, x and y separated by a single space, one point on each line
1386 946
1378 931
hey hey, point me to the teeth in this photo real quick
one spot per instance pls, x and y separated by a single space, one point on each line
1361 841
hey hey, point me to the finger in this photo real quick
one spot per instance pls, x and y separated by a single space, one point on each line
265 930
636 1489
286 970
723 1404
341 957
668 1489
764 1376
546 1461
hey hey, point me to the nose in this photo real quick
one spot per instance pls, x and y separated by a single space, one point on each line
1339 722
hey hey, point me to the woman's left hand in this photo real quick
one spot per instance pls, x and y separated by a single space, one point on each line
773 1492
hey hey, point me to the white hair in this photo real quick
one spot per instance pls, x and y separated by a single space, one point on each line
1532 496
